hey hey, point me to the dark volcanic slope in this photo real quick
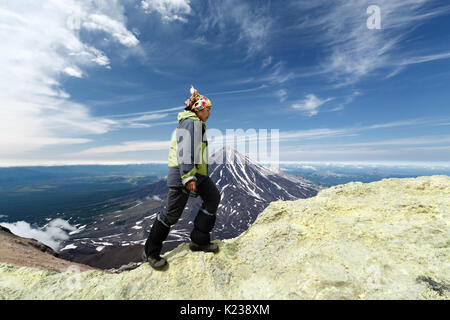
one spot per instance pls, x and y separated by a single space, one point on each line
246 189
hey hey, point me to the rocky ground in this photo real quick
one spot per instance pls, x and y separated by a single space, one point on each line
20 251
388 239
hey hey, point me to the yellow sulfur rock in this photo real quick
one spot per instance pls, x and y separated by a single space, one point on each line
388 239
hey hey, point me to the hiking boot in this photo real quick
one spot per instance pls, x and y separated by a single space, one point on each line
156 263
210 247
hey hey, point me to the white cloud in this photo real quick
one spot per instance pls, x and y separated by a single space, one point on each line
352 51
308 167
413 141
409 122
141 121
349 99
422 59
307 154
217 139
238 91
169 10
267 61
397 154
200 40
41 45
129 146
255 28
77 162
325 133
52 234
253 21
74 72
246 22
146 112
281 94
310 104
116 28
322 133
277 74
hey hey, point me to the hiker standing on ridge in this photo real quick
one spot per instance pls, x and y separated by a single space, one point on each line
187 175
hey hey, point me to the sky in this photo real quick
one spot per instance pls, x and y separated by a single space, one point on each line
93 81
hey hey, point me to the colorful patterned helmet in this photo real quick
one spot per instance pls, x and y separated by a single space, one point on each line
202 103
197 102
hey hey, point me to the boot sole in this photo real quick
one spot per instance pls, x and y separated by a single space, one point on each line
196 249
154 266
158 267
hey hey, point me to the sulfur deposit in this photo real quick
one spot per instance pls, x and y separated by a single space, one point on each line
388 239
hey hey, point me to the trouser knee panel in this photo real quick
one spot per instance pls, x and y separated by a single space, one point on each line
204 222
158 234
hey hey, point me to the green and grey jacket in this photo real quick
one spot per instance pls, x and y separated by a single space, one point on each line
188 153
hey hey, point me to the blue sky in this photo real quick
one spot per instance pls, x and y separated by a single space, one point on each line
102 82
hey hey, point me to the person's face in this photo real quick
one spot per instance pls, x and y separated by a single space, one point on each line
204 114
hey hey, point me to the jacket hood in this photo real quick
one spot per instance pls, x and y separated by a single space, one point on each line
187 114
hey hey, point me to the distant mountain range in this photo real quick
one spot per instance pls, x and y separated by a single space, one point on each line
246 189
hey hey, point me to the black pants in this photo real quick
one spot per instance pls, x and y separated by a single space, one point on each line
176 201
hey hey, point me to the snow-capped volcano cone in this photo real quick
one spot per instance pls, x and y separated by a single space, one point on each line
247 188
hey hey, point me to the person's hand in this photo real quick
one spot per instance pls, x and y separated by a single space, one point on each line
191 186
